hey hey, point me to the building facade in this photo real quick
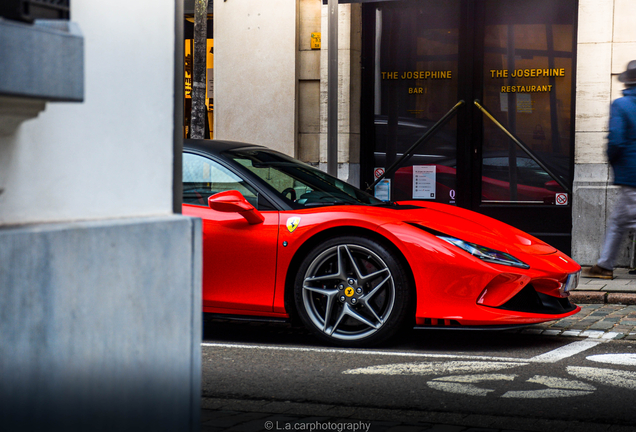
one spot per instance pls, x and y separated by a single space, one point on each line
526 86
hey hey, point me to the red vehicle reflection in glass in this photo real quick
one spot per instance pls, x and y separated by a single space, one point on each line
492 189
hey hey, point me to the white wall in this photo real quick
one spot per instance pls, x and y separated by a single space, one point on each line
593 86
606 43
255 72
110 156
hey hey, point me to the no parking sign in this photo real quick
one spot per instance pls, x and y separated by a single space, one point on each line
561 199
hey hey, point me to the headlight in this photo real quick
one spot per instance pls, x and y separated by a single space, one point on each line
484 253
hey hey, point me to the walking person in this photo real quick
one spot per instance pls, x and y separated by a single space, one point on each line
621 153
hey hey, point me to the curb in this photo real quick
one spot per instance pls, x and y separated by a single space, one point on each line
598 297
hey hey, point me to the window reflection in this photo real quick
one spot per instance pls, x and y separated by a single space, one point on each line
416 67
533 40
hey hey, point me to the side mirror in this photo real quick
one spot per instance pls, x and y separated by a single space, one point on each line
233 202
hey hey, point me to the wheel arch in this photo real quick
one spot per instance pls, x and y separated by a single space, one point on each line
342 231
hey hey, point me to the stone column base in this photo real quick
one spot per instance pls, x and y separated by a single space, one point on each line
592 203
100 325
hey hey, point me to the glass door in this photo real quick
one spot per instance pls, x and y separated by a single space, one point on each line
526 107
507 151
415 67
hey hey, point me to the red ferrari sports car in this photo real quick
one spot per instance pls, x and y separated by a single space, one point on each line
282 239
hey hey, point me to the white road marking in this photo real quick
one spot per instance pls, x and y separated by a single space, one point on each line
549 357
463 384
560 383
361 352
557 387
611 377
564 352
618 359
433 368
544 394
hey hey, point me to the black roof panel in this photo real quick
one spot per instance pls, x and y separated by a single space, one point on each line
216 146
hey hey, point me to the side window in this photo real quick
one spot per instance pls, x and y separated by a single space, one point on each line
202 177
289 187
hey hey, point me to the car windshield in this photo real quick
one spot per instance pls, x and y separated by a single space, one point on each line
299 184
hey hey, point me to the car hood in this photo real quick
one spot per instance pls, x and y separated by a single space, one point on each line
472 227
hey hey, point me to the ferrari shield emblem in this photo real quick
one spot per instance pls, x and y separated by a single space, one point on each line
292 223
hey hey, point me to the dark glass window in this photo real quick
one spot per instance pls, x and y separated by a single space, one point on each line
416 69
528 71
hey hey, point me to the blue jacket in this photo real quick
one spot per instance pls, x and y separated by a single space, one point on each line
621 145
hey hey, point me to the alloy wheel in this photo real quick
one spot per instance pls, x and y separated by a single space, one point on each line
348 292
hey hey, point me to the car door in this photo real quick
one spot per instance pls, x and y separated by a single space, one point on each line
239 258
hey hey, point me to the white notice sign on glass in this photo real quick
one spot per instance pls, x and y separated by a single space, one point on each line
423 181
524 103
383 190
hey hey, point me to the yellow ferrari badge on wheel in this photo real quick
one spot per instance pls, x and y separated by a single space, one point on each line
292 223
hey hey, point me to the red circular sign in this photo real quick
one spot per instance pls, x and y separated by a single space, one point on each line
561 199
378 172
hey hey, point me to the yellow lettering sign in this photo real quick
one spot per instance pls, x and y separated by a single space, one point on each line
527 73
417 75
526 89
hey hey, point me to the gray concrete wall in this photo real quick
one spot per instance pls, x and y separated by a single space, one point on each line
100 325
31 65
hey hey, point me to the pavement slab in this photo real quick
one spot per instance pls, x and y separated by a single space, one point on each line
620 290
593 320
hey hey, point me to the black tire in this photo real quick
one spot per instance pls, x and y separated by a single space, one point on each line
352 305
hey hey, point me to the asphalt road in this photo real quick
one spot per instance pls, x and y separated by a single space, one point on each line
482 373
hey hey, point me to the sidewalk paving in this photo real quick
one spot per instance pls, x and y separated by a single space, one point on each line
608 309
620 290
598 321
